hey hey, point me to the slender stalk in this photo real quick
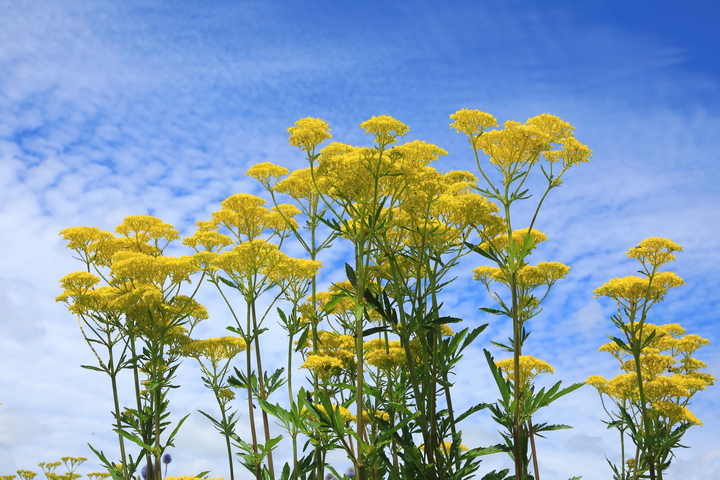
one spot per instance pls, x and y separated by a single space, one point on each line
261 385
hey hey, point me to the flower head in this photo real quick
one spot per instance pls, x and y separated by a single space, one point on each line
472 122
385 129
308 133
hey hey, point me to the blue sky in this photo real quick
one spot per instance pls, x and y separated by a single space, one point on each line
109 109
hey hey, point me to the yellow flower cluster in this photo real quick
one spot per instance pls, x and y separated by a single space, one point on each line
633 289
267 173
655 251
246 218
530 367
502 242
142 283
385 129
346 414
384 355
215 349
324 366
528 277
472 122
308 133
670 374
520 144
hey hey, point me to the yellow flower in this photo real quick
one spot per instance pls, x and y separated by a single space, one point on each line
552 126
530 367
673 412
28 475
215 349
501 242
690 343
299 185
655 251
416 154
346 415
516 144
572 152
147 229
209 240
248 259
76 285
293 274
633 289
446 447
487 274
324 366
385 129
266 172
472 122
308 133
141 268
597 381
384 356
84 239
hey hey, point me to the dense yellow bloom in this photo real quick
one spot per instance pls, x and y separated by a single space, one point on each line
29 475
515 144
690 343
487 274
324 366
266 173
633 289
336 345
501 242
552 126
572 153
385 356
98 475
346 414
293 274
673 412
77 284
84 239
147 229
464 209
209 240
299 185
530 367
416 154
215 349
655 251
137 267
244 215
472 122
308 133
385 129
446 447
248 259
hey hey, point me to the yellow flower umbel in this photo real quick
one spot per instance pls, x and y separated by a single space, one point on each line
530 367
308 133
660 375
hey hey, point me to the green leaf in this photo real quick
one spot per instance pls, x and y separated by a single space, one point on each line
351 275
484 253
446 320
90 367
227 282
329 306
493 311
373 330
133 438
